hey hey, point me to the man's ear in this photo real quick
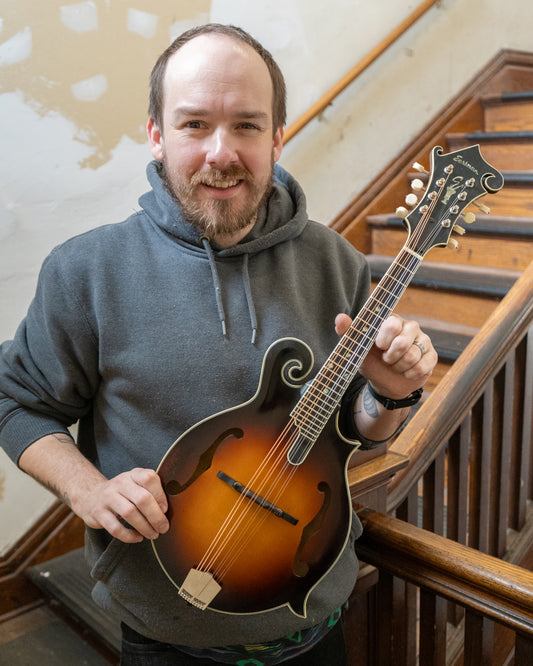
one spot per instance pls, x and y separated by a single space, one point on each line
278 144
155 139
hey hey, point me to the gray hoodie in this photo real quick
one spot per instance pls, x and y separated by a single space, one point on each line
140 329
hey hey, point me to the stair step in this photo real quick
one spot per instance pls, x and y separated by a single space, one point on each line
507 151
508 111
38 636
67 580
516 196
442 276
450 292
448 339
480 246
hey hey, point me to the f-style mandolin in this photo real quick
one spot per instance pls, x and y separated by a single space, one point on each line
259 507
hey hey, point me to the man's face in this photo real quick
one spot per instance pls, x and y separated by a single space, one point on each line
217 142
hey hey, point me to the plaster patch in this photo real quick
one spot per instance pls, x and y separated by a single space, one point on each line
16 49
142 23
81 17
90 90
178 27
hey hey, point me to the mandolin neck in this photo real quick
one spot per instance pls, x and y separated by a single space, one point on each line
325 392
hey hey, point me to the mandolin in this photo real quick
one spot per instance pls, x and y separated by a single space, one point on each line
259 505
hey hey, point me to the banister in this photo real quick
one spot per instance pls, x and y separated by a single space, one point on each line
358 69
426 434
494 588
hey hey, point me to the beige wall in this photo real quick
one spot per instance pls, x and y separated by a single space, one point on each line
73 96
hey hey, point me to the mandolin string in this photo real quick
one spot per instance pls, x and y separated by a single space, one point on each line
220 539
224 534
261 515
389 302
275 490
218 547
249 506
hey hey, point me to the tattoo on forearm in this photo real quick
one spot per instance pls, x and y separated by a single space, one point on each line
369 404
64 439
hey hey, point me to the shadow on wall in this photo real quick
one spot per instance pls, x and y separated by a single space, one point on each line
90 61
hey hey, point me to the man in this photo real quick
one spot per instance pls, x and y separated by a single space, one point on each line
141 329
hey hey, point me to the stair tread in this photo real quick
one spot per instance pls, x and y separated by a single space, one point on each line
521 95
449 340
490 282
42 638
493 224
67 579
497 135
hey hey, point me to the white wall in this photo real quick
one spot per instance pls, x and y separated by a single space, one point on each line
73 93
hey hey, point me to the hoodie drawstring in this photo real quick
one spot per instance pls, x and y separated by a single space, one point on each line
249 296
218 290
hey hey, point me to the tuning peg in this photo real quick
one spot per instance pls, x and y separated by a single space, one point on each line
417 184
411 199
459 230
482 207
418 167
468 218
402 212
453 244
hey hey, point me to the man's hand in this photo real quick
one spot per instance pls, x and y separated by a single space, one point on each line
401 360
130 506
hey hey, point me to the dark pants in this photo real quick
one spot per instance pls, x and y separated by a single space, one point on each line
140 651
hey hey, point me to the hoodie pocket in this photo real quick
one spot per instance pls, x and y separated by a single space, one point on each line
109 559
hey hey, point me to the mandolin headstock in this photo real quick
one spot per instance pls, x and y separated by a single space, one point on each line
456 180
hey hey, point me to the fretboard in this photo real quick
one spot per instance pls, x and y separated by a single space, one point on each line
325 391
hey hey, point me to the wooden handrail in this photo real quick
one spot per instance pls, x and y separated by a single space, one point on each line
427 433
488 585
359 68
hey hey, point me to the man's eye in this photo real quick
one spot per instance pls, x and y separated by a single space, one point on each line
193 124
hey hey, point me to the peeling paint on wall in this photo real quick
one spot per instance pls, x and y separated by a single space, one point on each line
90 61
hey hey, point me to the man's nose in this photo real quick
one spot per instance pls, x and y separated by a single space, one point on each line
221 149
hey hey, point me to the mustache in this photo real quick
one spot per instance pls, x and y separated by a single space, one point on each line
218 177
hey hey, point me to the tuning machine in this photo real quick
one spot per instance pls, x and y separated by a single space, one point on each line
421 169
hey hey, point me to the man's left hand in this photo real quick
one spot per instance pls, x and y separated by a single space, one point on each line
401 360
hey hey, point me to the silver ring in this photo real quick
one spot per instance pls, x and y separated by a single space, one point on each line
420 346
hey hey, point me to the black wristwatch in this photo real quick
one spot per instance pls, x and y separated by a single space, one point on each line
389 403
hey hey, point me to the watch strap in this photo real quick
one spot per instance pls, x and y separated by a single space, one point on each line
390 403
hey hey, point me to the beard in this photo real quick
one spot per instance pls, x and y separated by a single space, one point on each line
217 216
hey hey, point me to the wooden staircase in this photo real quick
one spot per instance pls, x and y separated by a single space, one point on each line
455 291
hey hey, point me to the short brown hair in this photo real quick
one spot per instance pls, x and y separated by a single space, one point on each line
279 93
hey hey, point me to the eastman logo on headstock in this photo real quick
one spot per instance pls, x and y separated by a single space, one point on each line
462 161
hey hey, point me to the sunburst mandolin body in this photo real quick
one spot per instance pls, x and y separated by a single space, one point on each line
262 529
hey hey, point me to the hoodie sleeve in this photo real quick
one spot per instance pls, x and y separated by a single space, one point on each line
49 371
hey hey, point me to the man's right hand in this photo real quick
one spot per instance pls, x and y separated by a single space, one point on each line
130 506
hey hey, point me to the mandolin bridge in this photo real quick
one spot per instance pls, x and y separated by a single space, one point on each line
261 501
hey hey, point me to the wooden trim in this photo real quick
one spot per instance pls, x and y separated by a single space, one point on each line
488 585
57 532
462 386
358 69
462 114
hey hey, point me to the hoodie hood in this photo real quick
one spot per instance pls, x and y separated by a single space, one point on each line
284 216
